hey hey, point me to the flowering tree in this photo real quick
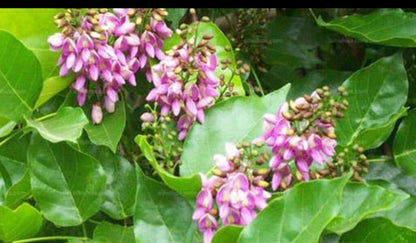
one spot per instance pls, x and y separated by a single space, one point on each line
164 125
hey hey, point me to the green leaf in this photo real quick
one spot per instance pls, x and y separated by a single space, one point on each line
120 195
52 86
392 27
23 222
66 125
219 41
391 174
373 137
403 214
187 187
13 162
175 15
293 41
221 126
35 36
20 78
300 215
228 233
19 191
378 230
375 94
6 126
404 146
161 215
67 184
360 201
109 131
111 233
33 27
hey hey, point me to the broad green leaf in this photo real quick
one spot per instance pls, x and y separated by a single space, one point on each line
66 125
67 184
161 215
6 126
378 230
13 162
404 146
109 131
375 94
373 137
360 201
23 222
175 15
403 214
112 233
303 30
33 27
120 195
392 27
228 233
19 191
300 215
233 120
388 172
52 86
219 41
35 36
188 187
20 78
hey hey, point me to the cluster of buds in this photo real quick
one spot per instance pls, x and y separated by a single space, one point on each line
250 34
185 84
107 48
163 137
303 131
350 159
235 192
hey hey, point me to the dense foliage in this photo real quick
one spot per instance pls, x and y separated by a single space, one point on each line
207 125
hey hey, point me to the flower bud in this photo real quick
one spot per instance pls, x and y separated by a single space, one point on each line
96 113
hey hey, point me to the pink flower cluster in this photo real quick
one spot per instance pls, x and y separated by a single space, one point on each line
305 143
234 195
107 49
177 91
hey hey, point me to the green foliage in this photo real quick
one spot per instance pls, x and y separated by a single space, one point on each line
376 229
392 27
405 145
156 217
20 78
25 221
203 140
300 215
73 188
375 95
108 132
63 178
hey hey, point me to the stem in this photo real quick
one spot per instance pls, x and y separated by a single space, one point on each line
257 80
10 137
84 231
313 14
45 117
49 238
383 159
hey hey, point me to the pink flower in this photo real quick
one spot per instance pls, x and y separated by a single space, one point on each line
96 114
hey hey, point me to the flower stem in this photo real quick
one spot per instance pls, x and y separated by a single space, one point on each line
49 238
45 117
10 137
257 80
